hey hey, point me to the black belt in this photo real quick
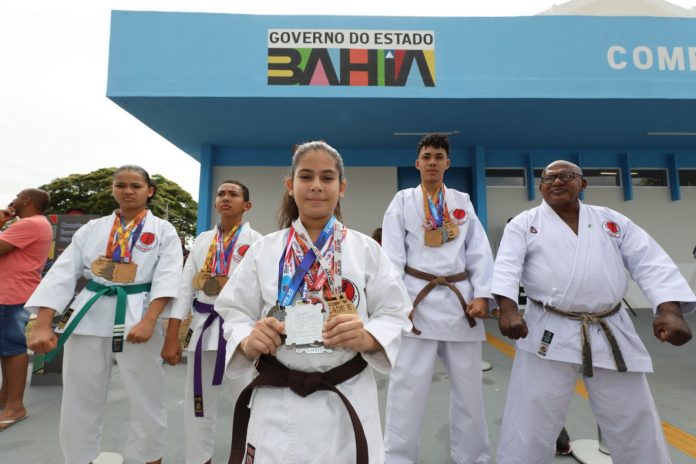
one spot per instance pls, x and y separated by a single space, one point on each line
273 373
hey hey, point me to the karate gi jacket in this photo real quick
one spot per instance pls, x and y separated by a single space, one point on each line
584 272
440 315
157 252
285 427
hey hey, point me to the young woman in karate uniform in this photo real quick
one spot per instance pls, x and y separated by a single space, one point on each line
314 304
133 262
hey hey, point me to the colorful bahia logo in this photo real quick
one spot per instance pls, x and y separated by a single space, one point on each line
351 57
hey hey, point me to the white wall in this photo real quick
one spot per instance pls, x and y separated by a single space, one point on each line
370 189
671 223
504 203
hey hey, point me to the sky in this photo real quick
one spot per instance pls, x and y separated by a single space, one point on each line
55 118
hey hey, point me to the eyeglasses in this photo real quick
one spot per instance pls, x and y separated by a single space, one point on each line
564 176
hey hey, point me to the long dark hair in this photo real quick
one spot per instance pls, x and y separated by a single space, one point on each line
288 210
143 173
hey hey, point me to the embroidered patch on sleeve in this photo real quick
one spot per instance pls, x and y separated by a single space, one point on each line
611 228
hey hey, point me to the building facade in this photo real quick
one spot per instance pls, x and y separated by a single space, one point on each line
616 95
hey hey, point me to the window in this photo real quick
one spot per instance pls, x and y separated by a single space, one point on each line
687 177
649 177
608 177
505 178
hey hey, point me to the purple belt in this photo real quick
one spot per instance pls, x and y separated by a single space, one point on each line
208 309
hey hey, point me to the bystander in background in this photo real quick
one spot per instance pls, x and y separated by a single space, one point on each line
24 247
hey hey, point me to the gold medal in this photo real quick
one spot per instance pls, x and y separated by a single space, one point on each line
123 273
108 271
199 279
433 237
339 304
452 229
222 280
98 265
212 287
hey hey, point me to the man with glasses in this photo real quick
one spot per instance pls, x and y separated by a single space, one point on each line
572 260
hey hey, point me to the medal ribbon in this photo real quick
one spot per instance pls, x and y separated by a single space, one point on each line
329 262
293 266
435 214
121 235
218 261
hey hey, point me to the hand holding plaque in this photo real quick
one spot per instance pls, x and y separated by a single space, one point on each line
263 339
304 324
348 331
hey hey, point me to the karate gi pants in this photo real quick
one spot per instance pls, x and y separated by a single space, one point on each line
407 397
199 432
87 367
538 396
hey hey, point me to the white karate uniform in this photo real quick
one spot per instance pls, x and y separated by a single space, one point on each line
87 358
445 329
584 272
199 432
283 426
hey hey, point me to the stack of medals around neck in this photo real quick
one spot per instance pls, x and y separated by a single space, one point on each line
438 226
311 292
213 275
117 265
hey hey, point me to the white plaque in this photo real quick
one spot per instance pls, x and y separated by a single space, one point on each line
304 324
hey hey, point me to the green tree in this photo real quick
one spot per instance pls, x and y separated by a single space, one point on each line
91 193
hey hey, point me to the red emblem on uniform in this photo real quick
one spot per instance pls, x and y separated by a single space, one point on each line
611 228
240 252
148 238
351 292
459 216
146 242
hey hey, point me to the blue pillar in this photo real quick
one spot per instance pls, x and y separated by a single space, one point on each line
626 176
673 167
479 179
205 189
529 174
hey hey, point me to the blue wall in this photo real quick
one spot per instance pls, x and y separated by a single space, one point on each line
218 55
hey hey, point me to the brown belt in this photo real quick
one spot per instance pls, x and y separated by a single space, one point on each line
587 319
272 373
434 281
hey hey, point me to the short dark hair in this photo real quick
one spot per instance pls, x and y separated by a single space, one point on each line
40 198
245 190
435 140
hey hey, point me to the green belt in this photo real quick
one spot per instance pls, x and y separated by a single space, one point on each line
119 320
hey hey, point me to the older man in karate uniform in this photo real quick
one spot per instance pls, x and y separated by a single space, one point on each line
571 259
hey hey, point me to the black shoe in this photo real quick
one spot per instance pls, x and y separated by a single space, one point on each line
563 443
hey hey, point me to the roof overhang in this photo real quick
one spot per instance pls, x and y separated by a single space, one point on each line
536 82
